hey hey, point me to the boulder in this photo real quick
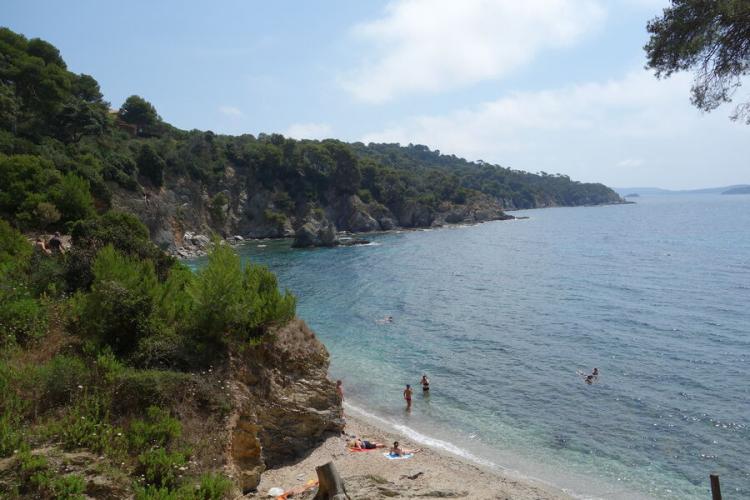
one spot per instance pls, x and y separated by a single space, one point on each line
284 402
386 223
414 214
201 241
315 233
455 216
362 222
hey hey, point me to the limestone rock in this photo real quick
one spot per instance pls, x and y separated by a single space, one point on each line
284 402
316 232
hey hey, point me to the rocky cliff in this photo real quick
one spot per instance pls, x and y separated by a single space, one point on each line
182 214
265 406
283 403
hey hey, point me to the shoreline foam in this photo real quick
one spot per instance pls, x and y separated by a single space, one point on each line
435 472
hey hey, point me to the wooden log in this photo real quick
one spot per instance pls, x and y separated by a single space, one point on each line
330 484
715 488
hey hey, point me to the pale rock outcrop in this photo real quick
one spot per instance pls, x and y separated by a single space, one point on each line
316 232
284 403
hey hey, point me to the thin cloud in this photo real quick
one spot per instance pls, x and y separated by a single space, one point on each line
630 162
231 111
587 130
436 45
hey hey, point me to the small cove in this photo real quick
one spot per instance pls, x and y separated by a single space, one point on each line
501 315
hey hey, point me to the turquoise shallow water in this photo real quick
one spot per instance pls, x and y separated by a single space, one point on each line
501 315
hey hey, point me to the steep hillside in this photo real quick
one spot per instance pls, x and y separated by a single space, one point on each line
64 156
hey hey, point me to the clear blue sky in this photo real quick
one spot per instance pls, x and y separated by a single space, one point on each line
538 85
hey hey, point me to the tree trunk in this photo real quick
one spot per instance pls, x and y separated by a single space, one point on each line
330 484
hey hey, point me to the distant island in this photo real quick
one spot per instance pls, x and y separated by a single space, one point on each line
738 190
628 192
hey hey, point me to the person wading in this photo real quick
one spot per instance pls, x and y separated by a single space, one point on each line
407 396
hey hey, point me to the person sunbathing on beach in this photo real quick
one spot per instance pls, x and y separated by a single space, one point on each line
363 444
396 450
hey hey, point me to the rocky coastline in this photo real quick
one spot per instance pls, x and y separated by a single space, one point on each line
183 221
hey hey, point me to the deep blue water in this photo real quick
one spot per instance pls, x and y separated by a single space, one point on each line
501 315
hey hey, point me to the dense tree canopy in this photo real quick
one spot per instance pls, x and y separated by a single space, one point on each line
58 140
40 97
138 111
711 37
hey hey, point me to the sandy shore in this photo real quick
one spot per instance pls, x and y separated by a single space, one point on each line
428 474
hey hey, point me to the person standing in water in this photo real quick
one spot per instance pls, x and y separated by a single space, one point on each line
340 390
407 396
425 384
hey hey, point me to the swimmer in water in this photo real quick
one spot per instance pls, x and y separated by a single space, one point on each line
590 378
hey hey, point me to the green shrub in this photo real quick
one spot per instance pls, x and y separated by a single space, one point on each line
276 218
59 380
73 198
217 208
108 368
27 181
38 480
151 492
264 304
46 214
217 294
87 426
151 165
33 471
210 487
173 300
70 487
120 169
365 195
22 319
159 429
139 389
118 310
283 201
46 276
160 468
233 304
164 350
13 245
213 487
10 434
124 232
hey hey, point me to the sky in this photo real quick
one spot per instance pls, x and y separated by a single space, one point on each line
539 85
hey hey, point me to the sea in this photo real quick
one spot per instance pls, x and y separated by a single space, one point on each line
504 317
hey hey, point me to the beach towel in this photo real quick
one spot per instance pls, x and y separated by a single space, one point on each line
362 449
312 483
397 457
